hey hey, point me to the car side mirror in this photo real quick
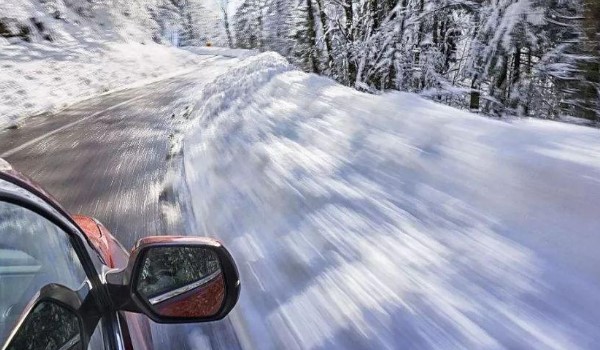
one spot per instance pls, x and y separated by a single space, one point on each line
177 280
51 321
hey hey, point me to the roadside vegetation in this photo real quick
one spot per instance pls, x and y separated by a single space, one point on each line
532 58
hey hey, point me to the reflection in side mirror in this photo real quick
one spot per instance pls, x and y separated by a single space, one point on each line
49 326
180 281
175 279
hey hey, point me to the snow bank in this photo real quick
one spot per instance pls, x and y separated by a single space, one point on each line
362 221
220 51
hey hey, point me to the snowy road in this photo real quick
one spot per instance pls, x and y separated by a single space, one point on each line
106 157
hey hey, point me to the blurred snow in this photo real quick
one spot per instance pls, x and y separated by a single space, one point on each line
374 222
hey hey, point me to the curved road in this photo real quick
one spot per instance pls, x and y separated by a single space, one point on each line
107 157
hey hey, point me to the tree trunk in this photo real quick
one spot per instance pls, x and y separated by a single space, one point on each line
352 69
516 76
259 30
475 94
434 30
501 82
349 19
375 13
326 34
515 101
312 37
421 80
227 29
590 94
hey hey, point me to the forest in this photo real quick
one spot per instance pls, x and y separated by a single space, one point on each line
502 58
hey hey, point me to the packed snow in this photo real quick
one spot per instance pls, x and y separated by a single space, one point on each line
362 221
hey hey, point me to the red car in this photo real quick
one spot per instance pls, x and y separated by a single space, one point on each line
67 283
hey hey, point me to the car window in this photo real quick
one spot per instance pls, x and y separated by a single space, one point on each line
33 253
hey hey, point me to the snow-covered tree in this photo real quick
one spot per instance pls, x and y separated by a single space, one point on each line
500 57
248 24
279 26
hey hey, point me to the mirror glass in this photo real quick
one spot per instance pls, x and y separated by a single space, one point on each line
181 282
49 326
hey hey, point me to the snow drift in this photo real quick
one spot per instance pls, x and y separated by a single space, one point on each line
364 221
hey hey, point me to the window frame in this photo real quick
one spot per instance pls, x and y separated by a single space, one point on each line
22 194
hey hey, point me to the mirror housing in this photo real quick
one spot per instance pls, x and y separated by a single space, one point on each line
174 279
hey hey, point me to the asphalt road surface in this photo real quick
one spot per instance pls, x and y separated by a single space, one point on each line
107 157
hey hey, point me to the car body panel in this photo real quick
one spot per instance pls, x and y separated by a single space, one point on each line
111 251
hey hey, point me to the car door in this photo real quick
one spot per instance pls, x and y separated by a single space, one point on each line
41 248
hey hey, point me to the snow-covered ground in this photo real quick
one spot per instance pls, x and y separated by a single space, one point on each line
362 221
